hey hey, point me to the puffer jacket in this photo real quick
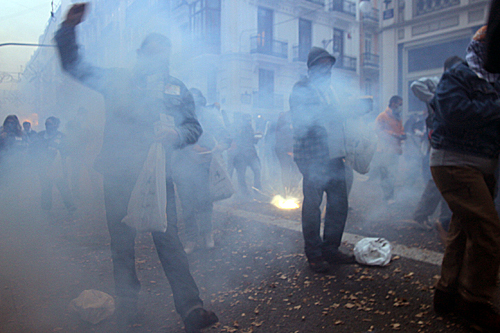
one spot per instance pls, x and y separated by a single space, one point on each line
467 114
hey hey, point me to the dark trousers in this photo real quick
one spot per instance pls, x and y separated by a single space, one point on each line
431 198
194 193
472 256
290 177
117 191
317 180
241 162
47 186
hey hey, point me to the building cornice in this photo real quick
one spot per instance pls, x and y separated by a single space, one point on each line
440 15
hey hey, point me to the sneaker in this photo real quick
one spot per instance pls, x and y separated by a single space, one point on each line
209 240
198 319
339 258
319 265
444 302
442 234
481 316
190 247
391 202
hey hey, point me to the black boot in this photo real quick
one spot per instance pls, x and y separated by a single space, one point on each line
198 319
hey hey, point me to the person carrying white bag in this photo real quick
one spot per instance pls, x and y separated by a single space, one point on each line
135 98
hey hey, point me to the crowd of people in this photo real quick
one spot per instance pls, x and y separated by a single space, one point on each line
459 142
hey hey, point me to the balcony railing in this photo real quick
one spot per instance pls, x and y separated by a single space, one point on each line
372 16
371 60
347 63
265 100
343 6
268 46
300 53
318 2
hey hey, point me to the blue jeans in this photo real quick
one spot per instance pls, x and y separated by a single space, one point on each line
117 191
319 179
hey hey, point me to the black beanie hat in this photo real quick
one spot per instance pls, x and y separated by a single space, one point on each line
316 54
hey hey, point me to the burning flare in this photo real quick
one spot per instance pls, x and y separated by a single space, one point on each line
285 203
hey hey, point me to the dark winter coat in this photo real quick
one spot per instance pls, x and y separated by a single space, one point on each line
131 109
467 114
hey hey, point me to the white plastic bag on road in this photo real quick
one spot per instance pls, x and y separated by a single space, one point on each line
93 305
373 251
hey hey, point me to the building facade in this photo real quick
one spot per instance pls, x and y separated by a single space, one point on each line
247 55
244 54
416 38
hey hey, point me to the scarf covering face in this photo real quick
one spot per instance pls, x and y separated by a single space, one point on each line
476 54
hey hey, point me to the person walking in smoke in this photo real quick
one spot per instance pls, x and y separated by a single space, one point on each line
191 168
51 153
464 157
424 89
319 151
390 131
135 99
245 154
13 142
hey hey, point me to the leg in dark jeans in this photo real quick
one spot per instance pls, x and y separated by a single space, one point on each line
311 214
186 188
255 166
386 183
336 207
174 261
428 202
240 164
117 193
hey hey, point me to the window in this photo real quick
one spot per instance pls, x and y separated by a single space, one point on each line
305 38
205 21
431 57
265 29
368 43
338 45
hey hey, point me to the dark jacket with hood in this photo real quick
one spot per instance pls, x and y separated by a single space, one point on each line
132 108
467 114
314 111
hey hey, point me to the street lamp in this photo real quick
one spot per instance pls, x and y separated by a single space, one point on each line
365 7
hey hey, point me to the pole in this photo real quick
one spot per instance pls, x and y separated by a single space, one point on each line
27 44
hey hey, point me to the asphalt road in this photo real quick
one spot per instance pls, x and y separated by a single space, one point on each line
257 279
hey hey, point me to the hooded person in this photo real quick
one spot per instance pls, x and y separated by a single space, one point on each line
135 100
464 157
319 152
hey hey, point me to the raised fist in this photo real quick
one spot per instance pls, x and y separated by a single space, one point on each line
75 14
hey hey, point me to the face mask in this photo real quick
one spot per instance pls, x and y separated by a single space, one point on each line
397 110
323 71
153 64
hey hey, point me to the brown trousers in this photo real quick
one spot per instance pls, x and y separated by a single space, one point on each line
472 256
